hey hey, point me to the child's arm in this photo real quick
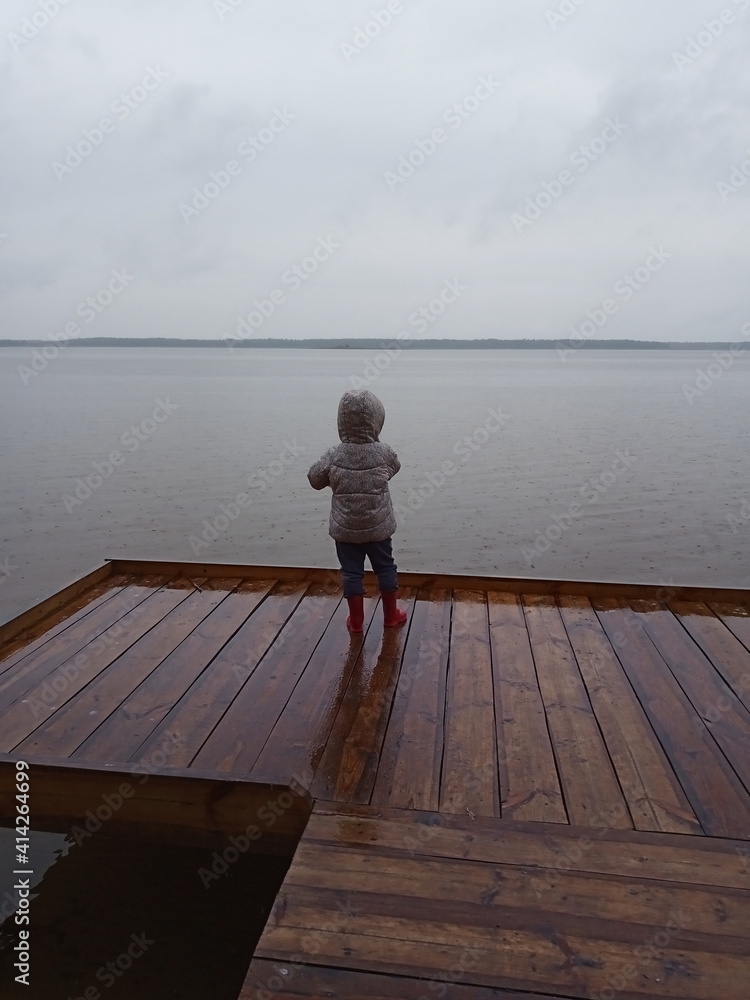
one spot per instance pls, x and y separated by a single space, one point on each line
392 458
319 473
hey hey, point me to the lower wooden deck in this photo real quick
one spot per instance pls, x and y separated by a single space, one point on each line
558 713
407 904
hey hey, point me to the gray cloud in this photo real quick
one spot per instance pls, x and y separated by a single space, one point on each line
352 117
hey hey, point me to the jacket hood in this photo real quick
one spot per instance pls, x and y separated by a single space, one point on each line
361 417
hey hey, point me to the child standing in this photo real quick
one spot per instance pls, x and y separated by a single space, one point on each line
362 519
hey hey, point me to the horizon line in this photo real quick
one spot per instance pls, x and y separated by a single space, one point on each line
344 343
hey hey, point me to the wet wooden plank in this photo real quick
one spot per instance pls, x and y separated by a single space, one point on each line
727 718
237 741
70 725
587 776
436 901
73 674
714 791
515 891
597 849
736 616
511 906
409 767
298 740
652 790
571 957
120 735
93 797
349 762
188 725
470 782
68 614
529 782
364 899
728 655
102 623
443 581
43 612
292 980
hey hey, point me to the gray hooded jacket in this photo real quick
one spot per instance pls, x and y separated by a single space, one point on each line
358 470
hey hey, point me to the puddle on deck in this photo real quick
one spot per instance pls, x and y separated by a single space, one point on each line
125 918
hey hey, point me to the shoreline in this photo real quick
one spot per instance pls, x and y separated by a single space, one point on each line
370 343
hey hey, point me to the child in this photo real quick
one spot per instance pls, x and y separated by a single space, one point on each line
362 519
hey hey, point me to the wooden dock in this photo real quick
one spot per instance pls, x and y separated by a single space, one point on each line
532 789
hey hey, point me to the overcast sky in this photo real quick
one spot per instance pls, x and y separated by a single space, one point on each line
570 164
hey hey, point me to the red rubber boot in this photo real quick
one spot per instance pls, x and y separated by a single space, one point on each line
356 618
393 616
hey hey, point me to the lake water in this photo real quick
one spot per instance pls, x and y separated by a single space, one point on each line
129 917
513 462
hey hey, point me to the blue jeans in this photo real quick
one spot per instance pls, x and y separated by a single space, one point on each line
352 558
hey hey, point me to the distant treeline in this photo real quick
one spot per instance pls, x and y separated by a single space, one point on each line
371 343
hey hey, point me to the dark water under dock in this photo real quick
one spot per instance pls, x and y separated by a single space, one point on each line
129 918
